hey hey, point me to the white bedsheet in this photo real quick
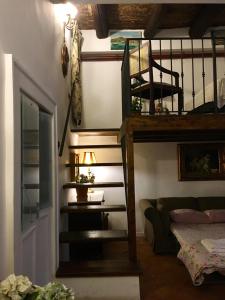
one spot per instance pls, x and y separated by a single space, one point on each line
209 95
191 233
193 254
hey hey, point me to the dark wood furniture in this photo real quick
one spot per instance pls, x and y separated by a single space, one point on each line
158 90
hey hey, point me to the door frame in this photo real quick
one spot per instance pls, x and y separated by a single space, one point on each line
17 79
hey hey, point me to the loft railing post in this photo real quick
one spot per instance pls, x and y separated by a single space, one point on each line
126 84
131 220
203 70
193 73
214 70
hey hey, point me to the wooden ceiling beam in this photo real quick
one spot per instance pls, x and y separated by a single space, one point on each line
100 20
204 19
158 12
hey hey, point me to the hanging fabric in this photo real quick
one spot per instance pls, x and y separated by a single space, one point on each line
76 75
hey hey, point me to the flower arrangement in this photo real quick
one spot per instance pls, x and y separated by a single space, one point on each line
21 288
85 178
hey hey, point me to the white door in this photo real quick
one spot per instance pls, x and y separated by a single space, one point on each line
33 182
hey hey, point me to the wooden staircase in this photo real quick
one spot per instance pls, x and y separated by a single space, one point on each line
84 238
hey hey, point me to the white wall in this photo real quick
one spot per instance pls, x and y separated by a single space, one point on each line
2 190
155 167
32 33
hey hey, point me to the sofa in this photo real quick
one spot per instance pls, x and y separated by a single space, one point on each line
157 219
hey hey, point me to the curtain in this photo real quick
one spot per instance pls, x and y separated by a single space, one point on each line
76 75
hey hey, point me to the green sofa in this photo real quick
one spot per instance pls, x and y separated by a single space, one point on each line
157 219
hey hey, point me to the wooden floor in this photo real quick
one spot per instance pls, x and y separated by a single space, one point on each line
165 278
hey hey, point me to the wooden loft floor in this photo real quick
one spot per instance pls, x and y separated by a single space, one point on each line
140 129
207 127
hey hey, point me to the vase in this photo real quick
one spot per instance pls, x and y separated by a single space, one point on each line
82 192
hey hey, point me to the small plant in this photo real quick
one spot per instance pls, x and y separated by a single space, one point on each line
21 288
136 104
85 178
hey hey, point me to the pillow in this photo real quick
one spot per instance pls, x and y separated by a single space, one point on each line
189 216
216 215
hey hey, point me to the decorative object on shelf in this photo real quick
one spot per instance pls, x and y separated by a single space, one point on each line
201 161
85 179
89 159
136 105
82 190
21 288
161 109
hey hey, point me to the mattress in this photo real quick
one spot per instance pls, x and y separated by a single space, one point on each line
193 254
209 95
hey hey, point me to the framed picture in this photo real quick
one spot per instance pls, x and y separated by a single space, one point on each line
201 161
118 39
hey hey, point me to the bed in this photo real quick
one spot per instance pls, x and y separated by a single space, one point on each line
193 254
209 96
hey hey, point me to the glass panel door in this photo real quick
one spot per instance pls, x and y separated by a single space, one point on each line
29 161
45 141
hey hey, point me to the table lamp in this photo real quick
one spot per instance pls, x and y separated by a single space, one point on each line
89 159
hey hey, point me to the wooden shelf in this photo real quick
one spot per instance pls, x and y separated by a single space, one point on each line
30 146
93 185
98 268
31 165
87 236
31 186
92 209
109 146
80 203
115 164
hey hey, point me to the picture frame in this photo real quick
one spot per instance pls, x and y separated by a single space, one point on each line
118 39
205 161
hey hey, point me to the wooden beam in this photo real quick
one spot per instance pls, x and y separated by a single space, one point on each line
100 20
204 19
158 11
165 54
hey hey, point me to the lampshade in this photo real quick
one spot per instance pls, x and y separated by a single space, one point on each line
89 158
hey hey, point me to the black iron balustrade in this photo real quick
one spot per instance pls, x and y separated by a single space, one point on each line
189 69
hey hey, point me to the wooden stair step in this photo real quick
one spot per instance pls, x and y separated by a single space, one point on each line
84 203
74 184
86 236
98 268
95 165
92 208
107 146
97 132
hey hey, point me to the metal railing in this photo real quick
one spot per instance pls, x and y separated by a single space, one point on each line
149 81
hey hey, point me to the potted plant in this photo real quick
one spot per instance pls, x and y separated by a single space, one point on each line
136 105
82 188
21 288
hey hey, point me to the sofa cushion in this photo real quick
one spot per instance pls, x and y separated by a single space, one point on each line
207 203
172 203
216 215
189 216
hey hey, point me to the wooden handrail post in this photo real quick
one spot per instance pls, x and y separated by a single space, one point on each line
131 197
67 121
